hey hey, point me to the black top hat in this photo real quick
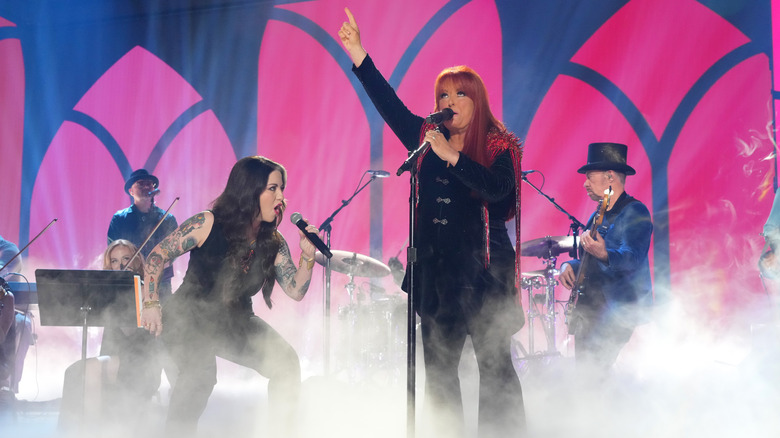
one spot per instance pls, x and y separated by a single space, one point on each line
607 156
139 175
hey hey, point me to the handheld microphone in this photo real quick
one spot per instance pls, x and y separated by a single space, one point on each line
379 173
297 219
154 192
526 172
440 117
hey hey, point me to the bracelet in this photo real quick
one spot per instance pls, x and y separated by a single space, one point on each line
309 262
152 303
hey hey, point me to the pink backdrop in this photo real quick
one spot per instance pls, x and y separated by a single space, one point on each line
309 116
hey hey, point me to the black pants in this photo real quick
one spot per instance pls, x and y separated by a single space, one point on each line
599 335
501 410
244 339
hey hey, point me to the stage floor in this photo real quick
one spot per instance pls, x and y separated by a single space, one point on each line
715 400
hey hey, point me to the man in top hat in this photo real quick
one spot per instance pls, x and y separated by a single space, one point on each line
616 292
136 222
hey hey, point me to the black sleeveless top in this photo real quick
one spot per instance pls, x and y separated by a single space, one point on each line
211 274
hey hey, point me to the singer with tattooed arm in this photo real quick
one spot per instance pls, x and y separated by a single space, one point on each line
235 251
465 274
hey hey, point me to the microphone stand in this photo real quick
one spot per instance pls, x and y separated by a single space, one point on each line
411 316
4 288
410 164
575 225
549 327
412 158
8 263
326 226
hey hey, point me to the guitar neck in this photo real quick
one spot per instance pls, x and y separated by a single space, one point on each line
585 259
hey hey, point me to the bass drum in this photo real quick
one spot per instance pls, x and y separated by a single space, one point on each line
373 340
383 323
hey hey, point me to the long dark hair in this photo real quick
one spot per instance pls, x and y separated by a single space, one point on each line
467 80
236 208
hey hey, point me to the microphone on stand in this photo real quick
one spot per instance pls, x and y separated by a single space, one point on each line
297 219
526 172
379 173
436 118
154 192
440 117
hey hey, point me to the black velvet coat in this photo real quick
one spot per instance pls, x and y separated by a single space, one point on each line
453 278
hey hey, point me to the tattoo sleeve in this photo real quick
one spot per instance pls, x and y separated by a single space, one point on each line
192 223
152 290
188 244
154 263
285 268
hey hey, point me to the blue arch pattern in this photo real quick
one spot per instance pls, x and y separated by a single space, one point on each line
659 151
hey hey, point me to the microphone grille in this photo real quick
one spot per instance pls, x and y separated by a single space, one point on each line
295 217
448 112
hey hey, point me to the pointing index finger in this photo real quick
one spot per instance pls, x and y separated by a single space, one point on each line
351 17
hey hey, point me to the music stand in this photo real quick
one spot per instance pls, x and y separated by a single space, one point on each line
84 298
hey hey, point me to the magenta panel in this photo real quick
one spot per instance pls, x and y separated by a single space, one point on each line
386 34
78 184
775 43
11 134
307 144
716 206
139 90
194 167
654 51
188 172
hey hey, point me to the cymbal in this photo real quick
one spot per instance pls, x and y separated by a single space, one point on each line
540 273
352 263
546 247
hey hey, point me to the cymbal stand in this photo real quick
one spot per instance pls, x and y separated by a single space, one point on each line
549 305
575 226
352 324
547 312
328 228
529 284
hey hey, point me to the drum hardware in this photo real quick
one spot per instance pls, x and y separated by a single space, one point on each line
546 247
531 282
542 305
327 228
366 320
354 264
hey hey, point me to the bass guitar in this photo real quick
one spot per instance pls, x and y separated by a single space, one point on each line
582 278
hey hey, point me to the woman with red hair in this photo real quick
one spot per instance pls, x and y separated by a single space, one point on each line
464 283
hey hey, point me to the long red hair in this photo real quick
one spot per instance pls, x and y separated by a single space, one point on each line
465 79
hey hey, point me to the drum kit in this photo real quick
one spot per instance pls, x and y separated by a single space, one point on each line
541 305
374 319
